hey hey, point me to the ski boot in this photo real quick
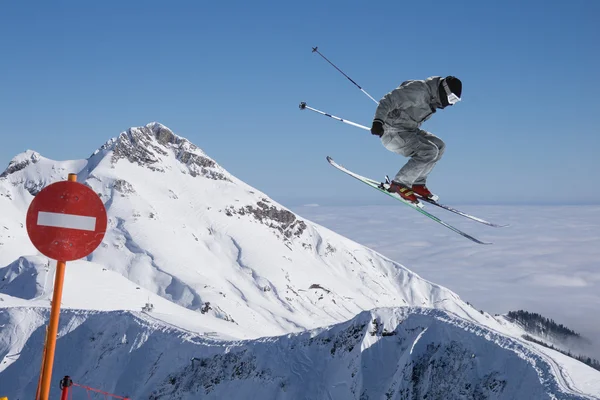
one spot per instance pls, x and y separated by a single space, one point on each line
422 191
403 191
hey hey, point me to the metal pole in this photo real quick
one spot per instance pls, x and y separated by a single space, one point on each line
315 50
65 385
53 325
303 106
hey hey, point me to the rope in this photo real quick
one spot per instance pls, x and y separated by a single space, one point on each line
106 394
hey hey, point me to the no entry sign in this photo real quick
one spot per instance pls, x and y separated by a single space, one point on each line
66 221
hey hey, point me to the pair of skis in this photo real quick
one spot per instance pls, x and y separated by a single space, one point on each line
379 186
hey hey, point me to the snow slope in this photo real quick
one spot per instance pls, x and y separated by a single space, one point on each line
182 227
219 259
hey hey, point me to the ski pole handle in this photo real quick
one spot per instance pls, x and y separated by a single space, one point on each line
303 106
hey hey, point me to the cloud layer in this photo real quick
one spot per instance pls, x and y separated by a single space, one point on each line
547 261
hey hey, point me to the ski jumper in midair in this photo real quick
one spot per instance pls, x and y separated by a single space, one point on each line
397 122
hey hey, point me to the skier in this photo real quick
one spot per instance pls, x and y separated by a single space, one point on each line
397 122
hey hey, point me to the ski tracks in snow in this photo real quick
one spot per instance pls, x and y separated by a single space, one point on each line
417 339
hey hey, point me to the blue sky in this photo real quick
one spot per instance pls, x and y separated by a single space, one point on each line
229 76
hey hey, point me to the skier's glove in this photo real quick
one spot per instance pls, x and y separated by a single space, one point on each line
377 128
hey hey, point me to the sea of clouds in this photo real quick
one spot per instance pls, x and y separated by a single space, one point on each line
547 261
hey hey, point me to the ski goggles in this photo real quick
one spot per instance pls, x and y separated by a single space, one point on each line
452 98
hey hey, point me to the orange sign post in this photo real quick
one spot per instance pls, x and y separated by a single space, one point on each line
39 386
52 329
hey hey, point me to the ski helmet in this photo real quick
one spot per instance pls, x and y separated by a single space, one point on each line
452 88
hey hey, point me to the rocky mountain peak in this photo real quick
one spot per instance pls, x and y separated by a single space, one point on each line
21 161
149 146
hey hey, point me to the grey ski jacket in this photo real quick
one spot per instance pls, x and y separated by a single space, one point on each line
410 104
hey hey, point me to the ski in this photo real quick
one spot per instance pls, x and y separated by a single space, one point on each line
445 207
378 185
455 211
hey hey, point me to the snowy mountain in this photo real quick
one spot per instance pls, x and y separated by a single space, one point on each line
227 270
388 353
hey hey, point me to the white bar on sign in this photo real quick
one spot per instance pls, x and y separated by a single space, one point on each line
66 221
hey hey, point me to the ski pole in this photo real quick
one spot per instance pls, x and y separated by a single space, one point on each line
316 50
303 106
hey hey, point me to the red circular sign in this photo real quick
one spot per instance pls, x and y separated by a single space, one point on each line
66 221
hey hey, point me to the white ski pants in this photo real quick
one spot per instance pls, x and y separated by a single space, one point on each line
423 148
